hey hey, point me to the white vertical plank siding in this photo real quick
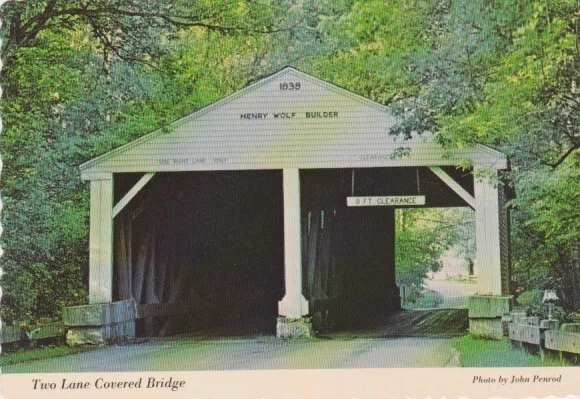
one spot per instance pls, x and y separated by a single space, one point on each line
101 241
355 133
293 305
487 236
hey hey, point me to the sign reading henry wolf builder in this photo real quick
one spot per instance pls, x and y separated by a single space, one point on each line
408 200
167 236
288 115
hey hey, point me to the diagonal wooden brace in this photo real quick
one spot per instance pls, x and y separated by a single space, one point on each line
454 185
132 193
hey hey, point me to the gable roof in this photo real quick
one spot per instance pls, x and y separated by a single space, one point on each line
288 119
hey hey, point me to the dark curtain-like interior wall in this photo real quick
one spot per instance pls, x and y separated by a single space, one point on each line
348 253
214 239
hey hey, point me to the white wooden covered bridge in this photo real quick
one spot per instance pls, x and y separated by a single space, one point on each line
271 204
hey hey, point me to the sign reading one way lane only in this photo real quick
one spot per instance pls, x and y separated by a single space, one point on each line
406 200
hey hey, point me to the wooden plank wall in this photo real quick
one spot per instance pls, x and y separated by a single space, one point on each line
267 127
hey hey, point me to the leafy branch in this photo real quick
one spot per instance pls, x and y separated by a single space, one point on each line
129 29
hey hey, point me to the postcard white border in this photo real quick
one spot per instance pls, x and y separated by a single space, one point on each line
336 384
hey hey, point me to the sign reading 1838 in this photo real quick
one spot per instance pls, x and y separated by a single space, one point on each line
405 200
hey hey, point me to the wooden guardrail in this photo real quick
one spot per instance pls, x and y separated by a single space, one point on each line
526 329
566 339
12 334
543 333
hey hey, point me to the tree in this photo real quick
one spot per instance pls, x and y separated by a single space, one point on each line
134 30
81 78
505 74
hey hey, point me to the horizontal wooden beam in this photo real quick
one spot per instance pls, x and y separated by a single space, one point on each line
562 341
132 193
454 185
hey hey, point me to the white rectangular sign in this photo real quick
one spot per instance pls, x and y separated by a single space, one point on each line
401 200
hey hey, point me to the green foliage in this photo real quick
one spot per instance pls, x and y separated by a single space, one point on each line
528 297
542 311
46 352
75 88
505 73
78 82
372 42
574 317
421 238
531 303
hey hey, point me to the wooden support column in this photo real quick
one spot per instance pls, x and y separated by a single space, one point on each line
487 235
101 240
492 301
293 320
293 305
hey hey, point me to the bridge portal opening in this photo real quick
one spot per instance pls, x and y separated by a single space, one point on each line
201 251
435 257
365 234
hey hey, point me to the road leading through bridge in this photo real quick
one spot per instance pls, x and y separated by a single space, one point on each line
188 354
455 293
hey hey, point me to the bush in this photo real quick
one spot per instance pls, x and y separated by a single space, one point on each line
527 298
531 303
574 317
19 293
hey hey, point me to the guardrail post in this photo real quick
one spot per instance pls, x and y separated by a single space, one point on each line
486 313
100 323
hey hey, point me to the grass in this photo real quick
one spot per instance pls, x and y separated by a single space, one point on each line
491 353
25 355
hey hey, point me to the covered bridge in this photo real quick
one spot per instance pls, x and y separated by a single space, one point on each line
271 205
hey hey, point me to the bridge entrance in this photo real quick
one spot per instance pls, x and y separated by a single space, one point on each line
304 185
210 243
435 257
349 249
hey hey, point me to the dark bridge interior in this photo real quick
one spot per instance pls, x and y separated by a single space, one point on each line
211 241
349 252
210 245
